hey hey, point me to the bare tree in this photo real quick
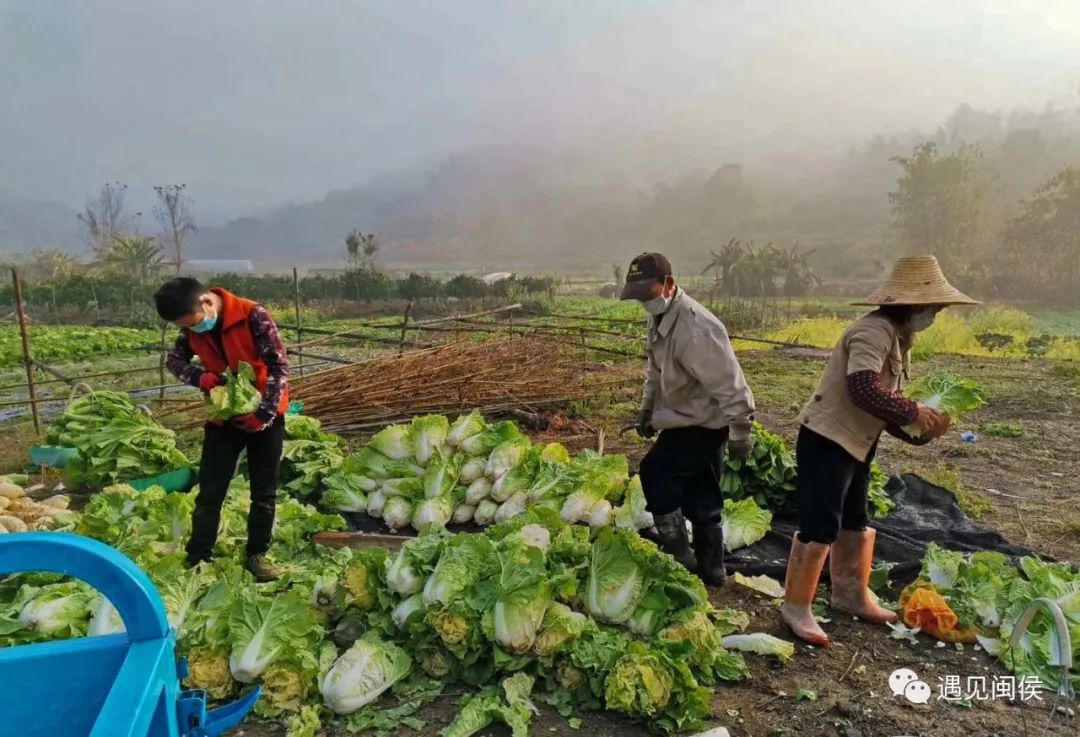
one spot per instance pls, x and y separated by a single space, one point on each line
174 214
104 218
361 250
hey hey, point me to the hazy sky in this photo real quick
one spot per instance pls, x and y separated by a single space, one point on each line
257 102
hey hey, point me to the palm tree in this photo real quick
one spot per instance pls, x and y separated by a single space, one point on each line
724 265
799 276
48 264
136 256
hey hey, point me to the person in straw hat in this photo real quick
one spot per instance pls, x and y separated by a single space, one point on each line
858 397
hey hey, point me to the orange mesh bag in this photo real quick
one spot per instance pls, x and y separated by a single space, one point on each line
922 606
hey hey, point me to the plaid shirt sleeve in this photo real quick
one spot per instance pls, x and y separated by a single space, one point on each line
179 361
272 350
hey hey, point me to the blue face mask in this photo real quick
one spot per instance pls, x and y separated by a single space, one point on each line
205 325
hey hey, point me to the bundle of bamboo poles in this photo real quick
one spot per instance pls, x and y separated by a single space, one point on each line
492 376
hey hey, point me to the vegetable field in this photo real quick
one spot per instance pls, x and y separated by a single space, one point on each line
542 609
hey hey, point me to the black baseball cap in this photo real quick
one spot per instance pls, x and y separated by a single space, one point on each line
645 270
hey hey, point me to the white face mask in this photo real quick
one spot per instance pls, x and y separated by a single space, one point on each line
657 305
922 319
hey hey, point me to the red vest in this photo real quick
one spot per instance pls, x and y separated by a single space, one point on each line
238 341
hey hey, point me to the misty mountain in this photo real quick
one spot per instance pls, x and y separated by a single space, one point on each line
577 207
515 206
26 224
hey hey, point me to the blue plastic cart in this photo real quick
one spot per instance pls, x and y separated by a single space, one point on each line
121 685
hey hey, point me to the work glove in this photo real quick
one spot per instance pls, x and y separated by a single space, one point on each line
740 443
209 380
249 423
644 424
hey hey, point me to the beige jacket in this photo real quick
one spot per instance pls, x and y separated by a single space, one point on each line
871 343
692 377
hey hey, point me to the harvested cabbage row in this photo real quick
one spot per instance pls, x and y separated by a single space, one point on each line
531 610
431 473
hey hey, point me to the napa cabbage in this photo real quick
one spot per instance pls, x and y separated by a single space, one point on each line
397 514
465 560
394 441
744 523
237 396
363 673
262 628
344 500
505 456
428 434
465 427
524 589
442 474
407 571
483 443
948 393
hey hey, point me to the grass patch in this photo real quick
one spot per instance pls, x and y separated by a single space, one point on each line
993 331
1003 429
948 478
1069 372
14 451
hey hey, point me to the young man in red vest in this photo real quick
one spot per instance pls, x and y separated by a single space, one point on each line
223 330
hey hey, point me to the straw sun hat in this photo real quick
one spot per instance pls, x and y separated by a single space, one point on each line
917 280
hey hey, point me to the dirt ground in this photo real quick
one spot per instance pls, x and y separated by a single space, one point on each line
1026 487
850 684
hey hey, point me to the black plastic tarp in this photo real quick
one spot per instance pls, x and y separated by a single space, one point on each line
924 513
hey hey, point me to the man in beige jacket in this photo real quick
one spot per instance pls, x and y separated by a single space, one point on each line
697 397
858 398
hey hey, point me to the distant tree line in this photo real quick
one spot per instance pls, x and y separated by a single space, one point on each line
951 204
125 296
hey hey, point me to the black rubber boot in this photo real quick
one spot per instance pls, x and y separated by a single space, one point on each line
709 549
672 538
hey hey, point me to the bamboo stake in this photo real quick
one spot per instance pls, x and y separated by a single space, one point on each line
162 358
404 327
28 361
299 327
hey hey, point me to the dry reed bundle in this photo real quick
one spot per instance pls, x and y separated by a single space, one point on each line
492 375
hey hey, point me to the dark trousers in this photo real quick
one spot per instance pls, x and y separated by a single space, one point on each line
832 487
682 471
222 445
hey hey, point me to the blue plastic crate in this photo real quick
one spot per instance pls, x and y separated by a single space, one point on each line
53 456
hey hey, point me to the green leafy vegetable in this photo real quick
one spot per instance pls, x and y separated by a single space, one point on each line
948 393
429 435
363 673
261 630
760 643
238 395
744 523
510 704
394 442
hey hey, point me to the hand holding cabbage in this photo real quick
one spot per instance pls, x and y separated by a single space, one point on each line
238 396
947 396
